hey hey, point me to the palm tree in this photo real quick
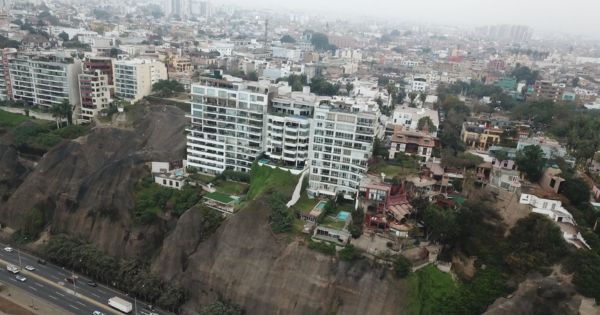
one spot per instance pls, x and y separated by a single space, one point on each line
67 111
422 97
412 96
57 113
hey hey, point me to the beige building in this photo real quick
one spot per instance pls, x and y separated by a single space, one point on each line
134 78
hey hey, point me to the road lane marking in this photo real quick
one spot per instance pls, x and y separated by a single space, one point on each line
78 302
32 288
52 296
39 285
73 306
60 294
55 277
94 294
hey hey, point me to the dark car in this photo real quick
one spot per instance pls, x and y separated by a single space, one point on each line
41 262
92 284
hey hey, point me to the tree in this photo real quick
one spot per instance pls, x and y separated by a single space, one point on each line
426 122
412 96
166 88
402 266
531 161
586 279
323 87
64 37
349 87
422 97
441 224
320 41
349 253
379 148
281 218
57 114
67 111
535 242
114 52
576 190
287 39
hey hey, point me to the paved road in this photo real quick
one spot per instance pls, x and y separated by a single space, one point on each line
48 282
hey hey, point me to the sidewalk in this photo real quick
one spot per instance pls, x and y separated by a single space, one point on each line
37 115
15 301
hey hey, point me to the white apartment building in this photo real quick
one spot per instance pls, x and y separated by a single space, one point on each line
341 140
286 52
288 128
227 130
419 84
134 78
95 93
43 79
409 117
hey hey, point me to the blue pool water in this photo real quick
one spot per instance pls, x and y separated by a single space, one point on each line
321 205
343 215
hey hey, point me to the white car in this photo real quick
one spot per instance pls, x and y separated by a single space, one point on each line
21 278
97 313
8 249
30 268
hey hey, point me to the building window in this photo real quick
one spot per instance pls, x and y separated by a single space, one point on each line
164 181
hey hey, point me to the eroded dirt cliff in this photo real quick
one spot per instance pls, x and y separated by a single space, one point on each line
85 186
245 263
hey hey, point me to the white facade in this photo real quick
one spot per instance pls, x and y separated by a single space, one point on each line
409 117
44 79
419 85
134 78
224 49
289 53
341 142
288 129
227 128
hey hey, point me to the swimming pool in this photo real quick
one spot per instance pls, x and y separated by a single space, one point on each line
321 205
343 215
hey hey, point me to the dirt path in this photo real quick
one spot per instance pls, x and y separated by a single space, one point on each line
15 301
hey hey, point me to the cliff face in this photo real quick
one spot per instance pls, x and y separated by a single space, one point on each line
85 186
245 263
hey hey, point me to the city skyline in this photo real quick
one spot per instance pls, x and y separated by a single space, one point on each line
544 16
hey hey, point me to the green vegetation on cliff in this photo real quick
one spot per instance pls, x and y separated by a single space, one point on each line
132 276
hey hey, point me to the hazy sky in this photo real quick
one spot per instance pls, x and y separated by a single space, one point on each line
573 16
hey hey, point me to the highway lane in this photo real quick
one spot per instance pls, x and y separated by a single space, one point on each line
57 275
47 292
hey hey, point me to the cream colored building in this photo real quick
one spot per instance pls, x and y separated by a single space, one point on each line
134 78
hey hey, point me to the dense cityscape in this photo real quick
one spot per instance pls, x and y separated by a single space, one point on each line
208 157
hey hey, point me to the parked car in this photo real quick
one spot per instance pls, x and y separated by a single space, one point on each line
21 278
8 249
30 268
41 261
92 284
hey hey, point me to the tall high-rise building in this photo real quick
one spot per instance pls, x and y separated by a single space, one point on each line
95 94
134 78
227 130
179 8
288 128
341 142
42 79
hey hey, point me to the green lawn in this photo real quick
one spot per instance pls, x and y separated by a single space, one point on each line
305 204
265 179
203 178
10 119
231 188
427 286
